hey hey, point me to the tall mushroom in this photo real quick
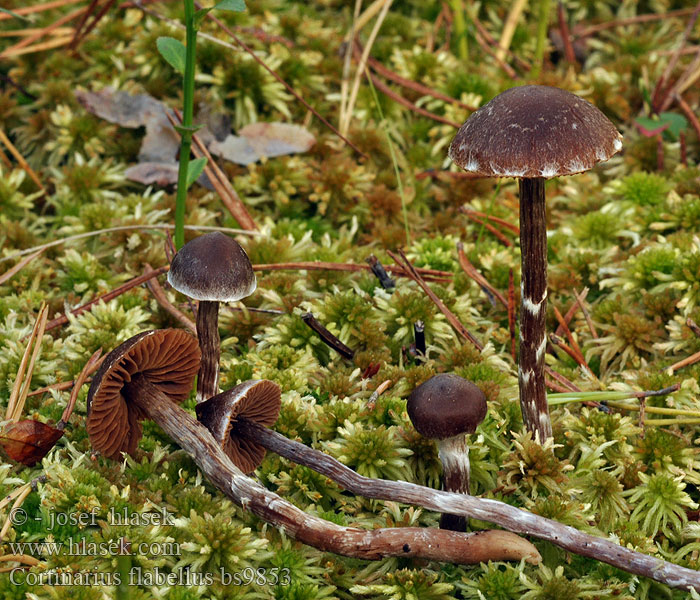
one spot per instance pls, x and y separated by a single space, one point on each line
256 400
211 268
445 408
533 133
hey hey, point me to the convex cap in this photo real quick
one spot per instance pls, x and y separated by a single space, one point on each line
446 405
534 131
257 400
212 267
168 358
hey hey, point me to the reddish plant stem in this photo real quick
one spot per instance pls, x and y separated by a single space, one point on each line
501 238
449 315
572 341
118 291
79 38
693 326
569 53
633 21
579 300
159 294
502 222
380 69
471 271
689 114
570 313
660 91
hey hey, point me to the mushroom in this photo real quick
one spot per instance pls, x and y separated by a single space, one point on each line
445 408
133 379
533 133
148 374
255 400
211 268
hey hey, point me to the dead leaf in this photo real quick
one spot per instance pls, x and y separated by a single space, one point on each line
28 441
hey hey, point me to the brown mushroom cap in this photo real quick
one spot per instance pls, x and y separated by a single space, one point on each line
446 405
257 400
212 267
534 131
168 358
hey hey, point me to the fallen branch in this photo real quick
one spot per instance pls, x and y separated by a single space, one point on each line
508 517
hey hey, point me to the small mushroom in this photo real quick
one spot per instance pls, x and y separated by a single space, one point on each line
148 369
534 132
445 408
258 401
211 268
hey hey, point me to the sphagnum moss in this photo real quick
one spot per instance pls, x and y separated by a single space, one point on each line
605 232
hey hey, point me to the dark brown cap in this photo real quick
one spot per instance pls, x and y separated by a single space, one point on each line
169 358
212 267
446 405
257 400
534 131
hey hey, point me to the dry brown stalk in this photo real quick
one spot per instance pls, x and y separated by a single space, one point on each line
510 71
118 291
633 21
80 36
86 15
572 341
33 30
660 92
449 315
579 300
347 59
15 50
508 517
493 43
693 326
502 222
23 380
429 274
385 89
559 343
570 387
501 238
565 35
159 294
689 114
90 367
223 187
346 117
690 360
7 275
516 9
20 159
48 45
472 272
380 69
571 312
37 8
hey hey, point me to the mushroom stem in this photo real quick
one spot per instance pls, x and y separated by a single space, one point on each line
533 307
454 456
208 335
508 517
431 544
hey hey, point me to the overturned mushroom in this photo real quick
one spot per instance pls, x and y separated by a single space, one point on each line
445 408
533 133
211 268
257 400
133 386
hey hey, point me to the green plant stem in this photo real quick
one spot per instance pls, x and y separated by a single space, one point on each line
542 23
665 422
656 409
186 133
460 30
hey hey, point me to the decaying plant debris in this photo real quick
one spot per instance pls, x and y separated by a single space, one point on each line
371 182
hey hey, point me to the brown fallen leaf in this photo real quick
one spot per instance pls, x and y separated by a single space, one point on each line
28 441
